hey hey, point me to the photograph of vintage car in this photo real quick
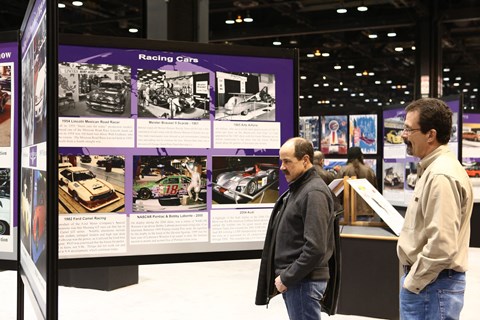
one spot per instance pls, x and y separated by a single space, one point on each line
471 136
245 179
111 161
173 94
86 189
5 209
245 96
392 179
169 182
473 170
97 90
411 174
394 137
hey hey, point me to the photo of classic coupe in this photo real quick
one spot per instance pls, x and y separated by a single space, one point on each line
114 161
108 97
167 188
236 184
82 185
243 103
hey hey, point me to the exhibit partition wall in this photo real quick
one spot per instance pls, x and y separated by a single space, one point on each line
168 151
399 169
8 150
38 141
470 138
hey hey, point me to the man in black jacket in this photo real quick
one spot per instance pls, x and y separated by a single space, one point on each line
300 238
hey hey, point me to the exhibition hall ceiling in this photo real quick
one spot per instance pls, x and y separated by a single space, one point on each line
356 59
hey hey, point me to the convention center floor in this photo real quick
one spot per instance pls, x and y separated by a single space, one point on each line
220 290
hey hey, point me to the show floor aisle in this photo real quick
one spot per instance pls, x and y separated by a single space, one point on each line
200 291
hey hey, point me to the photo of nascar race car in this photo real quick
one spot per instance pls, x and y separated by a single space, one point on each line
245 184
83 186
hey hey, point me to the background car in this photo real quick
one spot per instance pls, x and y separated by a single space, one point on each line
86 189
108 97
85 158
4 216
233 184
392 178
470 135
473 171
6 83
114 161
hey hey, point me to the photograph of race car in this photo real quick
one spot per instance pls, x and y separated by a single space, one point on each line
87 190
168 182
5 210
97 90
392 179
394 137
173 94
245 179
245 96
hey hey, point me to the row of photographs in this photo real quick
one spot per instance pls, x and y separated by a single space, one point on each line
96 183
89 90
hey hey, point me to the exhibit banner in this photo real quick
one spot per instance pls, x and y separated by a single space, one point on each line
169 148
8 150
309 128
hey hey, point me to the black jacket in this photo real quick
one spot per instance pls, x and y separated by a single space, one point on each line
300 238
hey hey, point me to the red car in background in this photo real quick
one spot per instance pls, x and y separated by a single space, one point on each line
473 171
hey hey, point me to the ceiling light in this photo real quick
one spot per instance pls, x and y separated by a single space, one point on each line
353 94
293 41
446 79
336 89
133 30
358 74
77 3
446 69
378 82
248 18
239 19
414 48
310 55
309 96
325 84
345 89
371 74
341 104
361 94
373 36
351 66
229 19
475 89
61 5
317 53
362 7
367 100
303 77
398 49
465 90
325 54
388 81
337 67
391 34
277 43
365 73
341 10
407 92
302 97
316 85
458 78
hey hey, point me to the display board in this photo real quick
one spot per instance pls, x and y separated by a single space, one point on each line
169 148
399 169
471 150
38 140
8 151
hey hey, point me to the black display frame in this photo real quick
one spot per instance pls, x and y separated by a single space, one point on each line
175 46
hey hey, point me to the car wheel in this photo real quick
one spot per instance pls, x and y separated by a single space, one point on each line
155 101
4 228
75 196
144 194
245 112
251 188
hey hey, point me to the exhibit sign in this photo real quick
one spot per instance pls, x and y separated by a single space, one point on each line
169 148
38 151
400 169
8 151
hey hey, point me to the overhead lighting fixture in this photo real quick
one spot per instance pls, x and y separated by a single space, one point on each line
293 41
373 36
239 19
77 3
303 77
317 53
341 10
133 30
391 34
414 48
325 54
277 43
337 67
362 7
398 49
310 55
229 19
446 69
365 73
61 5
248 18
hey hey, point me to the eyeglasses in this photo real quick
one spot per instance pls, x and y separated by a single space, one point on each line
409 131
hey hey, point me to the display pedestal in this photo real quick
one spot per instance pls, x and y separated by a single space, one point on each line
370 273
102 278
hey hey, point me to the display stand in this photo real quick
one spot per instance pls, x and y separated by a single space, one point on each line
101 278
370 273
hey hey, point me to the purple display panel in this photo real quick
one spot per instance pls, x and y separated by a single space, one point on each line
471 150
8 151
165 152
33 154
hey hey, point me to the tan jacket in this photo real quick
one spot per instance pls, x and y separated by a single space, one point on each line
436 232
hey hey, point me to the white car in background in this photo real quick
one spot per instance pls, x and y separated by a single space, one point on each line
5 216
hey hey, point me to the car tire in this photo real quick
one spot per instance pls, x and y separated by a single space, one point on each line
169 202
4 228
244 113
144 194
75 196
251 188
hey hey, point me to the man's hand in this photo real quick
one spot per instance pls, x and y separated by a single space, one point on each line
280 286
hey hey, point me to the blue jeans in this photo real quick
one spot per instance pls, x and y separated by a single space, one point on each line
303 299
441 299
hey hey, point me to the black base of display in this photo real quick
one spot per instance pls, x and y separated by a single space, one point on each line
474 225
103 278
370 278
